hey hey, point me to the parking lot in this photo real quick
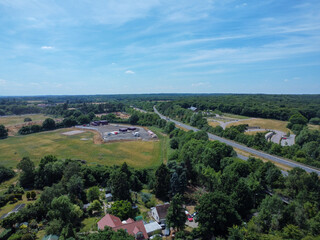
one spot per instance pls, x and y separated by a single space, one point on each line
116 132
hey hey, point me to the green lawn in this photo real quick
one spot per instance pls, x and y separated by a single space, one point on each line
138 154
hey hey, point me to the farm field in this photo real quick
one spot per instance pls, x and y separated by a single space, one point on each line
138 154
18 119
264 123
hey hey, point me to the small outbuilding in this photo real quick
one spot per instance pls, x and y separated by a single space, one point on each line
152 228
109 197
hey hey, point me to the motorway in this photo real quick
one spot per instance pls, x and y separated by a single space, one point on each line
264 155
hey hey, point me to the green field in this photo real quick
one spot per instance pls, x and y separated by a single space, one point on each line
14 120
138 154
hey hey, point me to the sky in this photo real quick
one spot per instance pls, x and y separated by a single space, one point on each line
75 47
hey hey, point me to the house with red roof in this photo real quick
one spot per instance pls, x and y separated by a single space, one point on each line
135 229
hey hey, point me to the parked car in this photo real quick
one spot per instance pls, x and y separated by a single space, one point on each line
156 235
190 218
167 232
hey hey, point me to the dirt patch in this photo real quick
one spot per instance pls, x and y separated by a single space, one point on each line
71 133
97 139
13 130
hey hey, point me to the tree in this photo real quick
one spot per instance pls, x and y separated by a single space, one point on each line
63 209
27 236
162 182
170 126
3 132
28 195
75 186
119 185
93 193
6 173
134 118
33 195
216 212
176 216
270 213
95 206
28 172
49 124
122 209
109 234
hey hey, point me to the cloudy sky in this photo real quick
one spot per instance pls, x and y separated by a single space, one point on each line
159 46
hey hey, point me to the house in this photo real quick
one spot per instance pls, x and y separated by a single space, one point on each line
159 212
193 108
152 228
135 229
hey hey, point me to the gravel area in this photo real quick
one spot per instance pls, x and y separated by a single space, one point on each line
111 132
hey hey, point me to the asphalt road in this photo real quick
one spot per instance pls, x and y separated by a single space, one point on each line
244 148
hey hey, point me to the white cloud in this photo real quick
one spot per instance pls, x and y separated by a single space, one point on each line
286 80
2 82
199 84
129 72
46 47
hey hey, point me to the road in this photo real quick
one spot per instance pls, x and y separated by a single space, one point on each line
264 155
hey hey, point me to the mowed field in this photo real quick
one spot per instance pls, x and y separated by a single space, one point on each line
264 123
14 120
139 154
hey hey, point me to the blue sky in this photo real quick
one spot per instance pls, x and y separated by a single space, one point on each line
155 46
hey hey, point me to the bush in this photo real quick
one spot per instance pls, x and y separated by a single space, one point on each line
3 132
33 195
27 119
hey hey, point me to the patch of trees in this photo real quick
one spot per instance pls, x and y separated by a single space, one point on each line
6 173
280 107
47 125
3 132
60 205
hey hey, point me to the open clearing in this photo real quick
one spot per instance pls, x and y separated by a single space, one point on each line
263 123
71 133
139 154
314 127
19 119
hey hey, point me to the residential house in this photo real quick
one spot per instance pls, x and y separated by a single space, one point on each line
133 228
159 213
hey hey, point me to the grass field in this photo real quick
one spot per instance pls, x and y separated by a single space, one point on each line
138 154
213 124
229 115
264 123
314 127
14 120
